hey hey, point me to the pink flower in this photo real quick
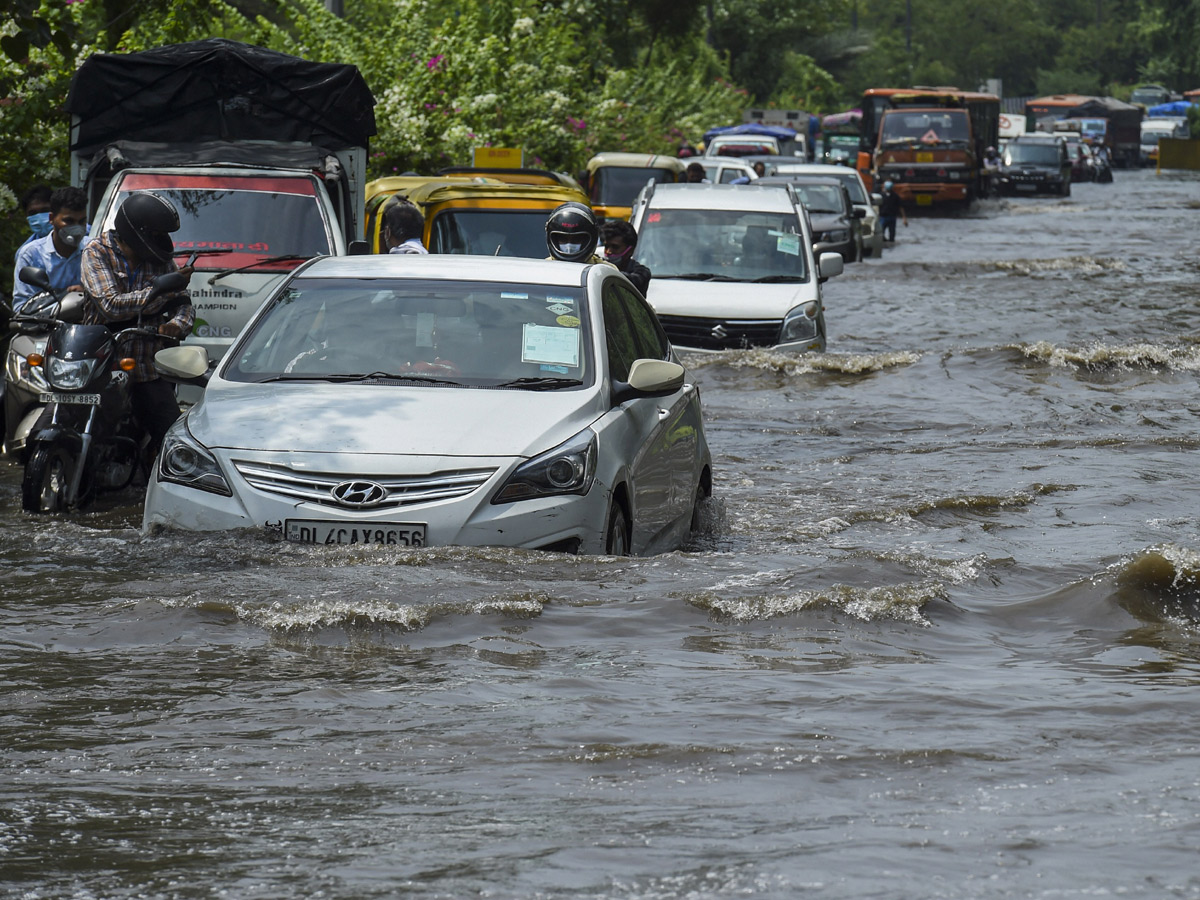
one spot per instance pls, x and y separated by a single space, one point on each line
435 61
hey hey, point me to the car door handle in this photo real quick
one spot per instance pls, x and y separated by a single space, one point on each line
663 413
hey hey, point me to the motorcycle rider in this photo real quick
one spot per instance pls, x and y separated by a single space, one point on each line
118 271
58 252
572 233
620 239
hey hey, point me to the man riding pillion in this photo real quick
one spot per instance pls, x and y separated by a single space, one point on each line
118 270
57 253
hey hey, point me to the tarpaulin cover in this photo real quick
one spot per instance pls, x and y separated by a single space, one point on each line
1106 108
1175 108
218 89
752 128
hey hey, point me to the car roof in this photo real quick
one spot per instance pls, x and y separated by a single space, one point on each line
721 196
799 167
447 266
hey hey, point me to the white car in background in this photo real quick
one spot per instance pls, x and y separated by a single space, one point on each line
732 266
725 169
435 400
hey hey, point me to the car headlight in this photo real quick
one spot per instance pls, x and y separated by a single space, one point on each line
800 324
21 374
569 468
186 461
835 236
69 374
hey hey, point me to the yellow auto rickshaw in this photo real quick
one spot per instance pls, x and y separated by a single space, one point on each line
381 190
615 179
489 219
514 175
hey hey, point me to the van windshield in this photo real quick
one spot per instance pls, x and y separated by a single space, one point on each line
491 232
254 217
723 245
619 185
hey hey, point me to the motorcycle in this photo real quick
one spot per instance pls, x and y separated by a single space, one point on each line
23 383
86 440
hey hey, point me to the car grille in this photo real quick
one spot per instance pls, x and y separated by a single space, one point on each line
404 490
721 334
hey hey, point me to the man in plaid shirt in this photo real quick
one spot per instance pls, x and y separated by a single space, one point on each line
117 272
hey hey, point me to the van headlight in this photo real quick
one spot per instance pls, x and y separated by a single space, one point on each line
801 323
184 460
569 468
835 236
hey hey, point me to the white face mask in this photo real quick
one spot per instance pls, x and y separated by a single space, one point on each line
570 249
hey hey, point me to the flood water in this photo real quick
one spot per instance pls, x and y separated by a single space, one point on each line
940 637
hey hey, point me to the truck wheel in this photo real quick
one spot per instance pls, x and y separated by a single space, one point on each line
47 479
616 539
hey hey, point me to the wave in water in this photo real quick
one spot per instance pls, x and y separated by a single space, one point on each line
1161 584
806 364
900 602
1105 356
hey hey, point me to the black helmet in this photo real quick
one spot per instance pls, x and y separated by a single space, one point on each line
144 222
572 233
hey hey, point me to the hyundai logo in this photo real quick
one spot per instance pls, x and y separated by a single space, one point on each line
359 494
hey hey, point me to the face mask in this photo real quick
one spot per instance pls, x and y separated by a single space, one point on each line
71 235
39 224
618 255
570 249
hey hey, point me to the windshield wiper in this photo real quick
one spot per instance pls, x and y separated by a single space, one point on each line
393 376
542 383
781 279
262 261
700 276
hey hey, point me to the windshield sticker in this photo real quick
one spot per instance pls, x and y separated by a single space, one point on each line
550 345
558 370
505 295
567 321
654 217
570 301
789 244
425 324
559 309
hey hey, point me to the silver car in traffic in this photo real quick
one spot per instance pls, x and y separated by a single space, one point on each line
435 400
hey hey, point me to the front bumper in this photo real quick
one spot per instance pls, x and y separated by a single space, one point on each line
470 520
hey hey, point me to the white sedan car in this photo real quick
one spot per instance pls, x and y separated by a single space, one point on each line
434 400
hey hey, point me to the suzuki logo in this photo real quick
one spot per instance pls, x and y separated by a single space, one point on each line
719 331
359 494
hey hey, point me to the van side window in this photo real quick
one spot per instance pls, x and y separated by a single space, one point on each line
650 341
618 332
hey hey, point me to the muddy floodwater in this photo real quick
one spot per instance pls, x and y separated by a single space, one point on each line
939 638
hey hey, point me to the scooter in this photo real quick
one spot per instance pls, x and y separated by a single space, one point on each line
23 383
86 440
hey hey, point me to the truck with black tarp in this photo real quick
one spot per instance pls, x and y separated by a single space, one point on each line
263 154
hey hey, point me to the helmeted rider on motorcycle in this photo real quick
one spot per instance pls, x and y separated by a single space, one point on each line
572 233
118 270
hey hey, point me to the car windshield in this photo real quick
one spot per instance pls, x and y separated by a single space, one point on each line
820 198
490 232
254 217
722 245
924 127
1045 154
435 332
619 185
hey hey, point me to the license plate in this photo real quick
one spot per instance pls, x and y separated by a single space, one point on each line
81 399
924 157
1026 187
924 199
394 534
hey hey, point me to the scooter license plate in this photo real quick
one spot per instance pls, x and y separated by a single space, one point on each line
394 534
78 399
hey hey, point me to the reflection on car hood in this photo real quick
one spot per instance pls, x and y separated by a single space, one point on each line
727 299
389 419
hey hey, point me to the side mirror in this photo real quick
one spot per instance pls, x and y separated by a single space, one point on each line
358 248
829 265
186 364
857 213
650 378
35 276
877 199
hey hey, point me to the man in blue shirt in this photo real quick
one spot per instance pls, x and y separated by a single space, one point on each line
57 252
